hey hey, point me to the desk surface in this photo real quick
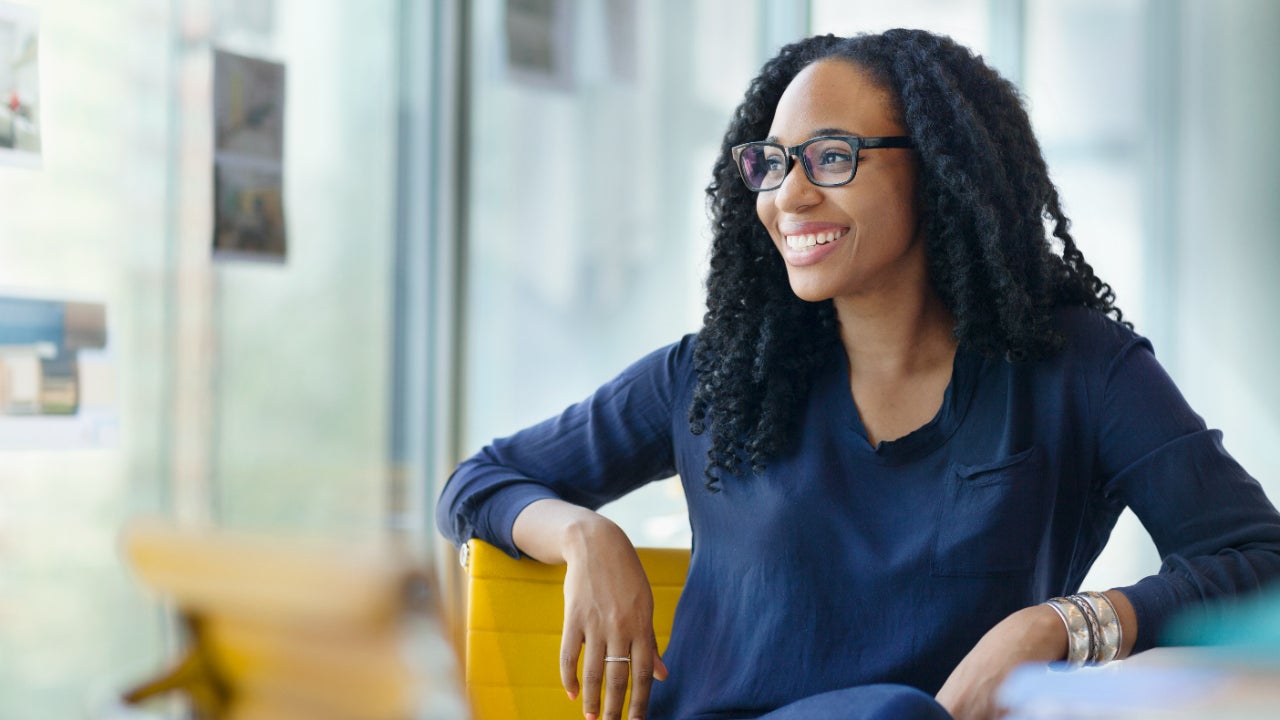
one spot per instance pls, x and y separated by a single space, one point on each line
1166 683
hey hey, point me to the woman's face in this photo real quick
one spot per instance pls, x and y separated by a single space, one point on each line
877 249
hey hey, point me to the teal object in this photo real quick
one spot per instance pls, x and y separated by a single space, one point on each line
1249 625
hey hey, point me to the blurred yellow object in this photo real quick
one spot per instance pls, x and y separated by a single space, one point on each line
515 610
286 629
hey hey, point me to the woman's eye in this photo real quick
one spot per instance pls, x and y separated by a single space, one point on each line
833 157
773 164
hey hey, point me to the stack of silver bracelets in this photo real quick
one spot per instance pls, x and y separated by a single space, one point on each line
1093 628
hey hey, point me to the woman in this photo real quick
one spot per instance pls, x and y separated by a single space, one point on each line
905 430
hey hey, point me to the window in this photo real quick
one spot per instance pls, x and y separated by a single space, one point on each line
593 129
256 395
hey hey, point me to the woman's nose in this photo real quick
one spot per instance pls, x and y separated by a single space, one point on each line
796 191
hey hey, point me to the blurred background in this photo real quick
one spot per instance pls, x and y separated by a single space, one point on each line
434 296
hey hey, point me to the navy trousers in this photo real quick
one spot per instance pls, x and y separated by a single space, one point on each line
866 702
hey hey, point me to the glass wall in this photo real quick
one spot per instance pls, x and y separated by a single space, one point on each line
295 357
89 223
968 21
255 395
592 133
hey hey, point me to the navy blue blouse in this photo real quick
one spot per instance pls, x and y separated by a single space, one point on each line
845 564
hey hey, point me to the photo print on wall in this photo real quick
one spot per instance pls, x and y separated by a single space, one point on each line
19 85
248 158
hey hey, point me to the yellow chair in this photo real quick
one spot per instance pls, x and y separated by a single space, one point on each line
296 630
515 610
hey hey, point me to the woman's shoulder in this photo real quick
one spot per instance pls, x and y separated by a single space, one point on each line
681 352
670 365
1091 335
1091 322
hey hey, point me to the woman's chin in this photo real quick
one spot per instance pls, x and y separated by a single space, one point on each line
810 292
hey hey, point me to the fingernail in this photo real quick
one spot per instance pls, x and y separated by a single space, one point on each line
572 695
591 716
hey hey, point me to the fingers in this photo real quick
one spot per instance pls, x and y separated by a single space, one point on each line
605 677
570 646
642 673
593 675
608 612
617 674
604 683
659 667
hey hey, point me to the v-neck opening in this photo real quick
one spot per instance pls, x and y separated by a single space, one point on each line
922 440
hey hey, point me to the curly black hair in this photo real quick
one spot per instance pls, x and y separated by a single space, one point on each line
985 199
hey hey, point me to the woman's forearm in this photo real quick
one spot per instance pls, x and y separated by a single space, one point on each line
554 531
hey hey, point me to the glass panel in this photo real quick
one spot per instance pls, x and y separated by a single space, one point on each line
89 223
587 235
253 394
968 21
300 399
1084 93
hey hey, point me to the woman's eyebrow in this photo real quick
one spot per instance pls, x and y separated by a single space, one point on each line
818 133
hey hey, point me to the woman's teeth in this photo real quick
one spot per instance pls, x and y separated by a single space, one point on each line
797 242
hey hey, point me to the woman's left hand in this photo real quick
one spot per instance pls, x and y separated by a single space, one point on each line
1034 634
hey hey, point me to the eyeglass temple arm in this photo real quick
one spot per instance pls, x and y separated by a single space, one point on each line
899 141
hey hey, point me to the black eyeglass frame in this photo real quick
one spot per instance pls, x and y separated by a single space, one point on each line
856 143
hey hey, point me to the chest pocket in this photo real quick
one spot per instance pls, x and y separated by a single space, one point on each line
993 517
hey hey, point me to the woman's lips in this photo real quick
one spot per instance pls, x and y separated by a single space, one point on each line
808 246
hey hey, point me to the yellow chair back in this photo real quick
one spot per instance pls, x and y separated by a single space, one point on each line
515 610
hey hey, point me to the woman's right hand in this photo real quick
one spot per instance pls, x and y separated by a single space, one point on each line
608 607
608 612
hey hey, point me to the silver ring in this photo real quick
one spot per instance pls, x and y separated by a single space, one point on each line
610 658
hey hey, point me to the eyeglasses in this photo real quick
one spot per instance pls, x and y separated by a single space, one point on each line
828 161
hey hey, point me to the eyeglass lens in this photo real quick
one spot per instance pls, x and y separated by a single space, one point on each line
827 161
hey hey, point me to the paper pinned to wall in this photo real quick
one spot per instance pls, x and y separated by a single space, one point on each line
538 42
19 85
248 158
57 382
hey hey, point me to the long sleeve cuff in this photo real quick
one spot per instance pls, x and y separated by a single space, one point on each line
499 512
1155 600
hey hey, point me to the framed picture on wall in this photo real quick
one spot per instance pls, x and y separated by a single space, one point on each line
19 85
57 376
248 158
538 42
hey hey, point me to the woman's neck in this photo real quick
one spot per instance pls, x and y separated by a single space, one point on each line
901 356
897 335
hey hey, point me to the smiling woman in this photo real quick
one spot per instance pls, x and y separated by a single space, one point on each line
867 213
904 431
